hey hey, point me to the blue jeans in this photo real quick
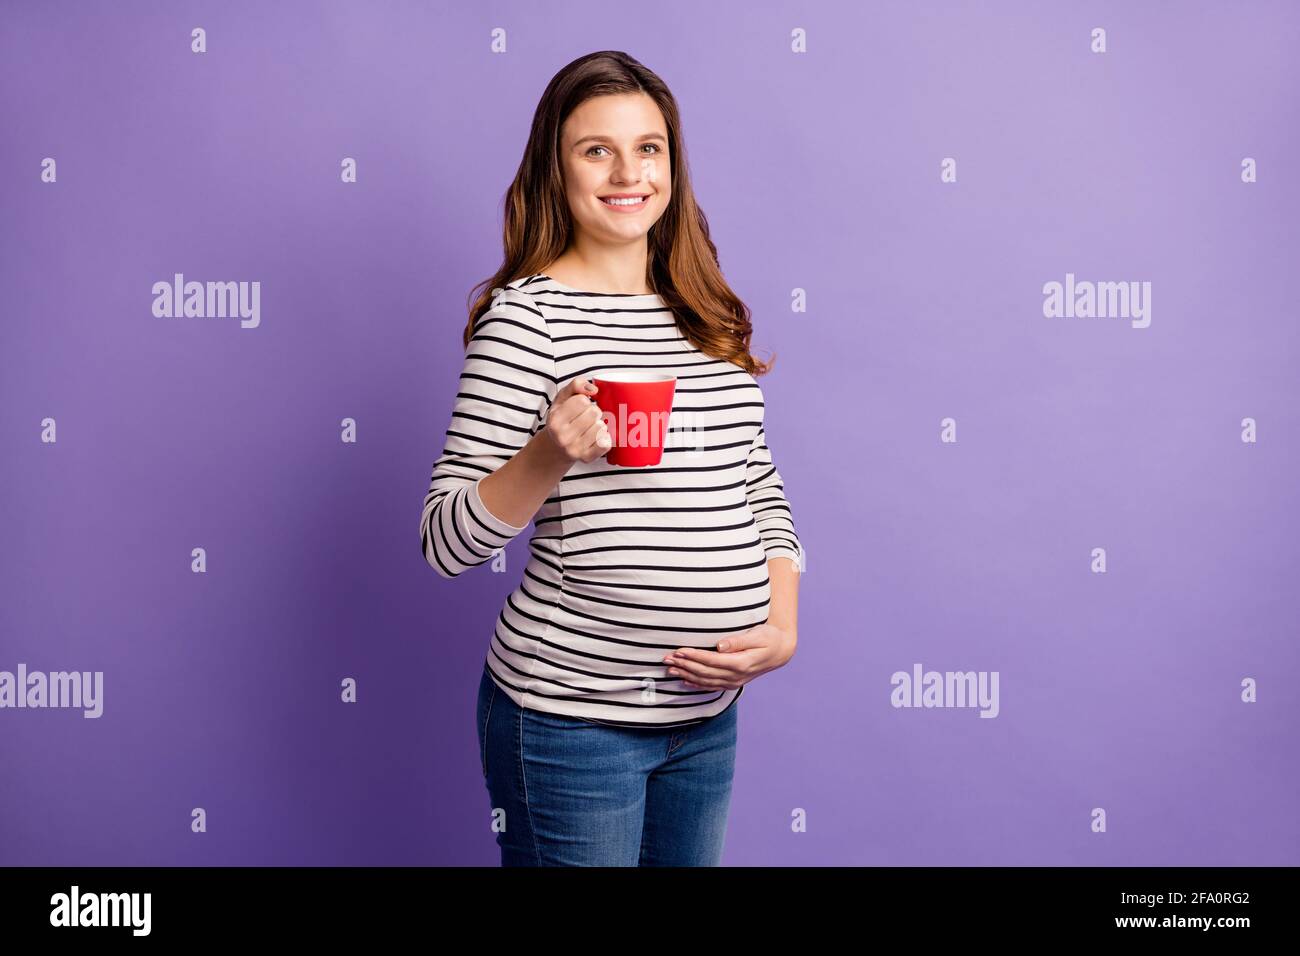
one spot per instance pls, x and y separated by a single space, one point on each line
569 792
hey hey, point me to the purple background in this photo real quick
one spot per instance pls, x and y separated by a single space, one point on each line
817 171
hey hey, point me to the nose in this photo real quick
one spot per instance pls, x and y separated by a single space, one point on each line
628 169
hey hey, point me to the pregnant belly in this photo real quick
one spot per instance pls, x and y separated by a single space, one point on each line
672 598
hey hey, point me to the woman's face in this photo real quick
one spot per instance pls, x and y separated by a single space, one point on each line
616 146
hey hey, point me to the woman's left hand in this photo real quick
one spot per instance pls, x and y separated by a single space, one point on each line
739 658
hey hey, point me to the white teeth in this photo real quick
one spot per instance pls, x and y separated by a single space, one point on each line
624 202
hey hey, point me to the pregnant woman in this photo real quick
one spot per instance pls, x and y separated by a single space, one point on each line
652 595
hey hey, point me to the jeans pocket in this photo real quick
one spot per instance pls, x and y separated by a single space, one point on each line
487 692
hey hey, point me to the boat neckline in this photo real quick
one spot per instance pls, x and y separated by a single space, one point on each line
543 277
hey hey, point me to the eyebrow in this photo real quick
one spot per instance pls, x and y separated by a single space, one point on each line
643 137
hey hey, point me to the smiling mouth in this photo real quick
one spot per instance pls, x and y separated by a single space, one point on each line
625 203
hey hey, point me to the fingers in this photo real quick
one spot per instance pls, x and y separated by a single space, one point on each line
578 416
706 683
695 671
576 422
576 386
572 400
697 664
582 412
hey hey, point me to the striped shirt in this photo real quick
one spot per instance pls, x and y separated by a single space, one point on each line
625 564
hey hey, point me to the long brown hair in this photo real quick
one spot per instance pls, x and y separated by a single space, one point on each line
682 265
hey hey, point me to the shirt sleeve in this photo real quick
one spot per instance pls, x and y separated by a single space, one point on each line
768 504
507 385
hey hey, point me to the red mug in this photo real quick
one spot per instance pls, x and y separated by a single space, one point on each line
636 407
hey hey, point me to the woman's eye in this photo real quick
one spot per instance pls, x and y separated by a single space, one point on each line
653 146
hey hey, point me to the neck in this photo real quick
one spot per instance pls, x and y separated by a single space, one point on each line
587 265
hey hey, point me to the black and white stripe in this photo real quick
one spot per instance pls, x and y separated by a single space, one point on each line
625 563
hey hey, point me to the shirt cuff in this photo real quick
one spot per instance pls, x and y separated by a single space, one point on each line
783 551
498 533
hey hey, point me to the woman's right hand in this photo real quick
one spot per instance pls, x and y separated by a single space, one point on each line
575 427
